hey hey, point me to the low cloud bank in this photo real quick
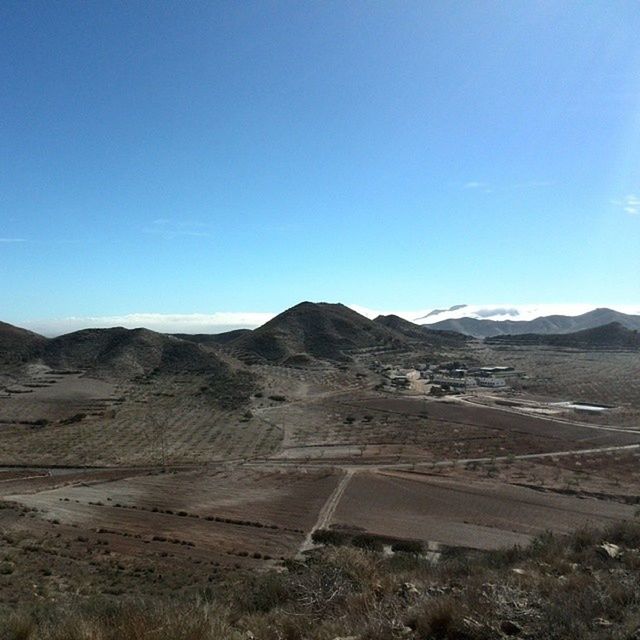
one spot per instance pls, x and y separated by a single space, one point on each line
161 322
227 321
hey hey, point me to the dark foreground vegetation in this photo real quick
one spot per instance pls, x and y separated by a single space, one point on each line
586 585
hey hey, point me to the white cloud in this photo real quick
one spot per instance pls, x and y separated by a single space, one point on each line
475 185
630 204
518 311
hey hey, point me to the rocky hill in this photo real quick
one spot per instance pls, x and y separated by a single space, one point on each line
128 352
19 345
213 338
422 333
314 331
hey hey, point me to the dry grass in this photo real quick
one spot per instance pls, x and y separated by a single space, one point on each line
556 588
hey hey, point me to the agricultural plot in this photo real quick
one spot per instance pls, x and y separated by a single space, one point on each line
601 377
176 522
358 426
612 475
46 397
453 512
167 420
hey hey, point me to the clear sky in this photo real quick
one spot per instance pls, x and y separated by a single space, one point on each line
192 157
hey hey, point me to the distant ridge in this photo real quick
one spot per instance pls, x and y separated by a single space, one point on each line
213 338
437 312
422 333
613 336
543 325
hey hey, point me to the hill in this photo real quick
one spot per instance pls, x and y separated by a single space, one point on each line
422 333
543 325
309 331
213 338
611 336
19 345
128 352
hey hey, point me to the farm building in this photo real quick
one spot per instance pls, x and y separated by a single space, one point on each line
494 383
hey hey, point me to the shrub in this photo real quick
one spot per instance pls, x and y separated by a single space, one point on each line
330 537
408 546
367 541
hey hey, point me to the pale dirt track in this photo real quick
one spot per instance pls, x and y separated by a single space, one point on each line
326 513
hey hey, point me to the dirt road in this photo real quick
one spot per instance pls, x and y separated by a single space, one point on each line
327 511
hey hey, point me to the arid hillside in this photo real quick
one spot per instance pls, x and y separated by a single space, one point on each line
19 345
422 333
612 336
314 331
127 352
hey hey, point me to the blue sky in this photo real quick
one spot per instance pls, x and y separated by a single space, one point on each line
193 157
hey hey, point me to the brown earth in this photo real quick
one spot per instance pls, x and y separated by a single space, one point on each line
482 515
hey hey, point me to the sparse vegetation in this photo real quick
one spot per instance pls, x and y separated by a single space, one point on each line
554 589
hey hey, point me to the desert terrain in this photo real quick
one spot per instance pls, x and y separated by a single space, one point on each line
138 467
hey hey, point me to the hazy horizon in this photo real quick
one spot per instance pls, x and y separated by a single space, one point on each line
219 322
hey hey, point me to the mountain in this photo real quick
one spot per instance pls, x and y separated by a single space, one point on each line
542 325
440 312
613 336
422 333
19 345
309 331
128 352
213 338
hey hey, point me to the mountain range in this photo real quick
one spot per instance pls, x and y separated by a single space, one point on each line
307 333
484 328
321 331
612 335
119 352
302 335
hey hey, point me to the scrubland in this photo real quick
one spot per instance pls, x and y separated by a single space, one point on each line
585 585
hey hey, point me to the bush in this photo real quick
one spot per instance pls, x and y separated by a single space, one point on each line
366 541
78 417
330 537
408 546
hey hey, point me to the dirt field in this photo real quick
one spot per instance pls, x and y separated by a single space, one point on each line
107 530
367 428
483 515
190 491
228 512
614 475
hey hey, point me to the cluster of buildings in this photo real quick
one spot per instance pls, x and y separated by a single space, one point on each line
449 378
